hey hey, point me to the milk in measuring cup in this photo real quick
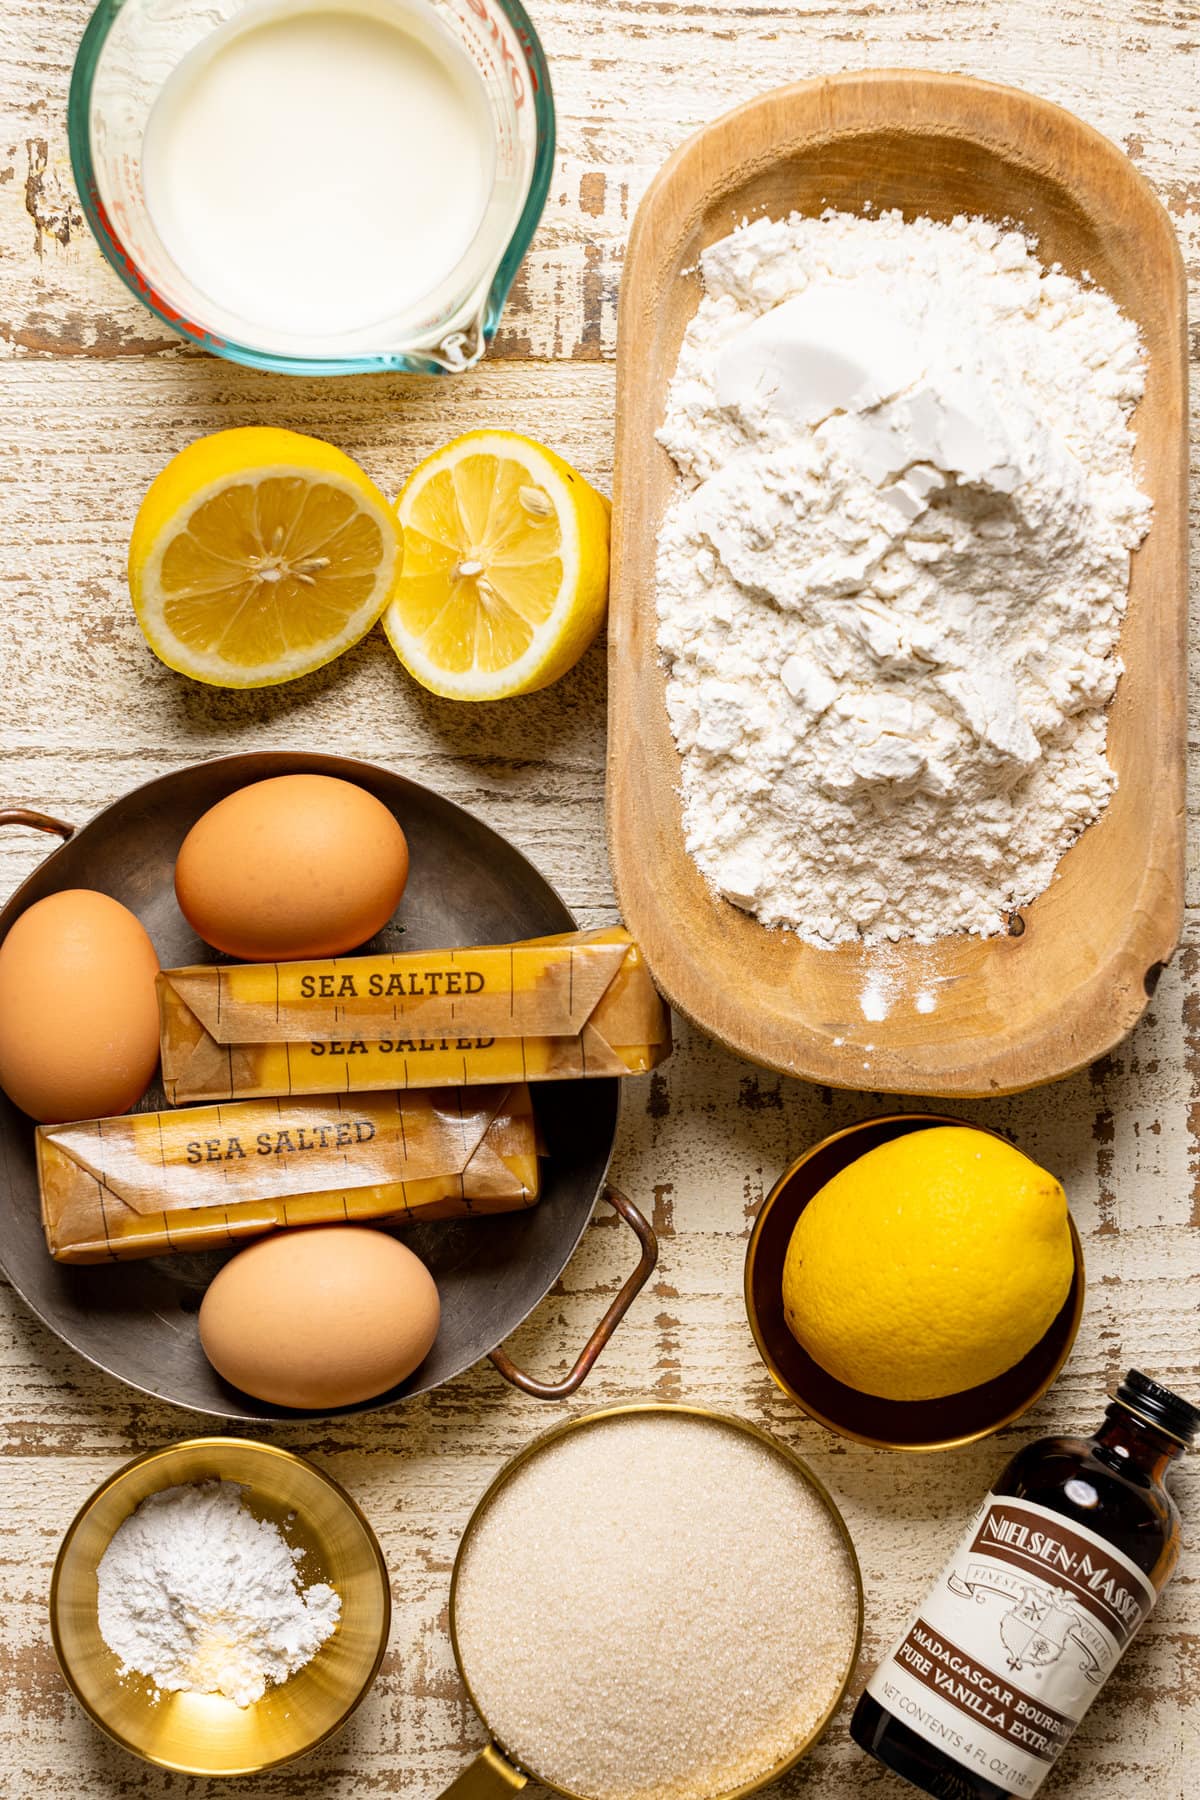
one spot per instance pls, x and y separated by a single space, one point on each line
320 168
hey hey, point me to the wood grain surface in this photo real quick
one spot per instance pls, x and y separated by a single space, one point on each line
94 397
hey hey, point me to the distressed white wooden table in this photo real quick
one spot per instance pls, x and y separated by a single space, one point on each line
94 398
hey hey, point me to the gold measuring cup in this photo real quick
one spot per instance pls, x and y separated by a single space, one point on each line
205 1734
496 1773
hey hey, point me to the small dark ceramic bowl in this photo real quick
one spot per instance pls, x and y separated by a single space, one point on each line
886 1424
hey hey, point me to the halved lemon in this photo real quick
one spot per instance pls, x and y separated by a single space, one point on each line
505 575
259 555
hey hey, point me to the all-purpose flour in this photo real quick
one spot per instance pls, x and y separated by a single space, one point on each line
204 1598
890 586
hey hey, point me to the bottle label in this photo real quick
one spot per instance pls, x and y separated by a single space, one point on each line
1014 1642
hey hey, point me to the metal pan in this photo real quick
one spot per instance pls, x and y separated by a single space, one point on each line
467 886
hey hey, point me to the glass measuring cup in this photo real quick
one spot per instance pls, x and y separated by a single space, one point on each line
498 1771
129 50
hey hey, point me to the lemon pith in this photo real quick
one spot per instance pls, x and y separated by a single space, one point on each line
930 1265
505 575
258 555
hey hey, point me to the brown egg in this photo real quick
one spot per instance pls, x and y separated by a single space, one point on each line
298 866
78 1015
320 1318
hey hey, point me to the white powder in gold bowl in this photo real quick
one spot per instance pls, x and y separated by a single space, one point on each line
658 1606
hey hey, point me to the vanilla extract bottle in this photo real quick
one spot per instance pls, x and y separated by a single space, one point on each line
1055 1573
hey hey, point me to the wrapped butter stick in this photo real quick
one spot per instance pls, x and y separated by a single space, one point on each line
200 1178
548 1009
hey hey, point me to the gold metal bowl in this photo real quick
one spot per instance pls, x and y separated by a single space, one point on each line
497 1775
206 1734
884 1424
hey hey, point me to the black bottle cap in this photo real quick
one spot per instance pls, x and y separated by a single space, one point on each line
1158 1406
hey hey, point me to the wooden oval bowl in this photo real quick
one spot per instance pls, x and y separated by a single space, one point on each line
1011 1012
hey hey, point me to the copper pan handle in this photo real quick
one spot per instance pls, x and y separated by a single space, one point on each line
559 1390
36 821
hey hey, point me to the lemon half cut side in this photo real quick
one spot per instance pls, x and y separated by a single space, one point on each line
259 555
505 576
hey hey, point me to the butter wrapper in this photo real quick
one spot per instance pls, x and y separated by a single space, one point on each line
203 1177
547 1009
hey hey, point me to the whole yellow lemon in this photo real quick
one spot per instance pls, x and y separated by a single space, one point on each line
933 1263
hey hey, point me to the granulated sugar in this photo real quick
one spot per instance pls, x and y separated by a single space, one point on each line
655 1608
